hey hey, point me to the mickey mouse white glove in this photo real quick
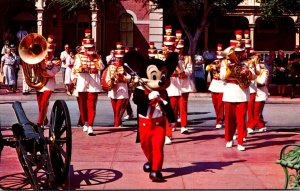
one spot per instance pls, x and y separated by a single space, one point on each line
153 95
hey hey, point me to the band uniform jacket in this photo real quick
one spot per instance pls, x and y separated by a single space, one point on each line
262 89
255 68
51 71
216 85
88 80
232 91
175 82
186 81
119 89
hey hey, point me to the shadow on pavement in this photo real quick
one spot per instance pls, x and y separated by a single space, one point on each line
89 177
101 131
16 181
199 167
191 138
266 140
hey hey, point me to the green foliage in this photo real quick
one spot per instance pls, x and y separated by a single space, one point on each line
72 4
275 8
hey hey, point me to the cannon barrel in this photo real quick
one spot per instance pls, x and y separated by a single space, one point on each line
25 128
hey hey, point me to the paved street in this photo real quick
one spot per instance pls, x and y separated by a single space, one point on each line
112 159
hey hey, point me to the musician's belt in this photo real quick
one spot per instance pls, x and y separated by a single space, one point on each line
232 81
93 71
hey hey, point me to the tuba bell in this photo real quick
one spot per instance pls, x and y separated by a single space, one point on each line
32 50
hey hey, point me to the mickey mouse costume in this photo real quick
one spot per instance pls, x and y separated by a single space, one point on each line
153 108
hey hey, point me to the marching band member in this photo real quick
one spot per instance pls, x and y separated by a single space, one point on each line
252 62
186 85
88 67
152 51
79 51
174 90
119 92
236 93
260 99
216 87
49 69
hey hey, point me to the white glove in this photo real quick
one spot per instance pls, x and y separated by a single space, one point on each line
153 95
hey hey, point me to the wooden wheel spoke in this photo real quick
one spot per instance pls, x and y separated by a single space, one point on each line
61 132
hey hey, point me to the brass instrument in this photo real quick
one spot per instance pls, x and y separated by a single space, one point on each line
32 50
237 70
215 65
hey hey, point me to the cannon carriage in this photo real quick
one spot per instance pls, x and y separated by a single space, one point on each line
44 159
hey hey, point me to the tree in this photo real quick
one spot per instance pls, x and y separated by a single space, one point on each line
194 15
277 8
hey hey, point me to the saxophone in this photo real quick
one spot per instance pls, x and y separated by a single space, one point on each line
237 70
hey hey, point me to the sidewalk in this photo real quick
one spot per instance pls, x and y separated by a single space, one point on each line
112 160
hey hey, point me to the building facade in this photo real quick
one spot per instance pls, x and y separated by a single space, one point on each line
129 22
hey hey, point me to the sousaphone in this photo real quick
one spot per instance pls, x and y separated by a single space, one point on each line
33 50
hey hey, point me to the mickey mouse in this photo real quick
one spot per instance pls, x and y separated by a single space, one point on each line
153 107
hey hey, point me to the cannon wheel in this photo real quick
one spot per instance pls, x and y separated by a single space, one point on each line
60 134
26 163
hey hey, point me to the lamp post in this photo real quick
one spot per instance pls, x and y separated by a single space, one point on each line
40 4
297 26
94 10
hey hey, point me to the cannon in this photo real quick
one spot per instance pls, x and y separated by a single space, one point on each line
38 154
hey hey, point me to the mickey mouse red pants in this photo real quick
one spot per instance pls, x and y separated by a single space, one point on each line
152 135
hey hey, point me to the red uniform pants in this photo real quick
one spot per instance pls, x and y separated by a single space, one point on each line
43 102
87 106
118 106
258 120
218 106
174 102
152 135
251 109
183 107
235 115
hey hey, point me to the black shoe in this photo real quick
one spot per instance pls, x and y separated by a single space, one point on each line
147 167
156 176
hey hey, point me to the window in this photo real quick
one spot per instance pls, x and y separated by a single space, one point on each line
83 22
126 30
